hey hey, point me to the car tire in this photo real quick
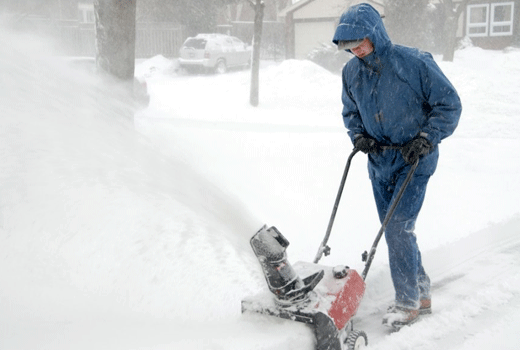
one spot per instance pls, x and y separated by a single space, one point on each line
221 67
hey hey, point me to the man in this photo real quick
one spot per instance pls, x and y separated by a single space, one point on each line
396 96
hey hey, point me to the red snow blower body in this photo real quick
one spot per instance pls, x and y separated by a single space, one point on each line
324 297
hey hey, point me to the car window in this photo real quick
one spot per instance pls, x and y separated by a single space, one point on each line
237 41
228 42
195 43
212 45
240 44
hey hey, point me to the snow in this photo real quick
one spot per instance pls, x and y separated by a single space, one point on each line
133 233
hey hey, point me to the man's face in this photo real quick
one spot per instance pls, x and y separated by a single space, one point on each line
364 49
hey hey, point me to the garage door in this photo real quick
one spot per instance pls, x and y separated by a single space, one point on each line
309 35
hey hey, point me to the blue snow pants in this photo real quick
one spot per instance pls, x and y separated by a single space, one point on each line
409 278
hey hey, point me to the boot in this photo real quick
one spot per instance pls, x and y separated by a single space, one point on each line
398 317
426 307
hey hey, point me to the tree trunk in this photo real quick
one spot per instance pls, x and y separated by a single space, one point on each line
257 39
115 37
450 33
453 11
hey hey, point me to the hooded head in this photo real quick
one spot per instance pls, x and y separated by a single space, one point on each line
359 22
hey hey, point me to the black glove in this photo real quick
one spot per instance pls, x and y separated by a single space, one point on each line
416 148
366 144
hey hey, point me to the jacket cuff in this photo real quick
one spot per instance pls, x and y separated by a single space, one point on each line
427 137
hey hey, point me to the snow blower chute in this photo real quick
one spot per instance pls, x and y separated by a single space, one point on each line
323 297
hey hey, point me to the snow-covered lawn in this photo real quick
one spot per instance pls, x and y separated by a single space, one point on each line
134 234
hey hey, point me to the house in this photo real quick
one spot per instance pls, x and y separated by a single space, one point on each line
310 23
492 24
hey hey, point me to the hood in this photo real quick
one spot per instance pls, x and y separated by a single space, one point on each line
362 21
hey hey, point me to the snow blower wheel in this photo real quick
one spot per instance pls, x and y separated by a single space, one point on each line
356 340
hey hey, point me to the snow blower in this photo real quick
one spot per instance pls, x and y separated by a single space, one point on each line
326 298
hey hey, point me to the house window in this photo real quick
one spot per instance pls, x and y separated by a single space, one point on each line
494 19
478 19
86 13
501 19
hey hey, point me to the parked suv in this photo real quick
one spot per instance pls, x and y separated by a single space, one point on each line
214 52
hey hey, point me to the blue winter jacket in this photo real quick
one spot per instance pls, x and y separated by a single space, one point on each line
394 94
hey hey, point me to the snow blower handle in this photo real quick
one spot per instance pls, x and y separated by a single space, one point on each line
324 248
369 257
